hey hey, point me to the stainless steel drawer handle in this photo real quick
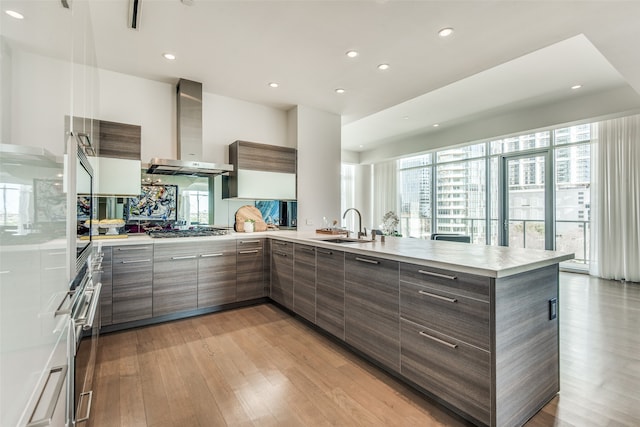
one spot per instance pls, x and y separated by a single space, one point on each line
91 314
255 251
307 249
59 309
210 255
368 261
431 273
242 242
135 248
59 374
438 340
86 416
429 294
280 243
281 253
136 261
320 251
184 257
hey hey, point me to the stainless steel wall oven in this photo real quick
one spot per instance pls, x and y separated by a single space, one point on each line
84 330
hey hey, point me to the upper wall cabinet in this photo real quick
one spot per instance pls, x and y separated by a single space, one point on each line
261 172
119 140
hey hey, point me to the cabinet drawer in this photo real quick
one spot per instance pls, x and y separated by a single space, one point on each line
175 251
215 249
453 282
280 246
132 252
464 318
250 260
450 369
249 243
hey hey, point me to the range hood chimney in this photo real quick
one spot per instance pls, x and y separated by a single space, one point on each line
189 138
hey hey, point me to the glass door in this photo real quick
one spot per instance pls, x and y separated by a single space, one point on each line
526 200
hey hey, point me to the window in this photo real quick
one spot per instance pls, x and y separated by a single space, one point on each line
198 206
414 182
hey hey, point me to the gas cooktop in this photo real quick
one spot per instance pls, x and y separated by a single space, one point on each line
192 232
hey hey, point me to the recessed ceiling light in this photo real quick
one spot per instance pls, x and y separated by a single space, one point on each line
405 118
445 32
273 84
340 90
574 87
14 14
435 125
352 54
383 67
169 56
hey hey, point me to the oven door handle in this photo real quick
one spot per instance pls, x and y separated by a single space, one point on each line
93 306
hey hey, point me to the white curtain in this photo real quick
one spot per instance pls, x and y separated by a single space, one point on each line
615 199
347 199
385 190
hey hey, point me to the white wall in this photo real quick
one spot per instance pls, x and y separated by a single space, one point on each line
40 98
142 102
318 141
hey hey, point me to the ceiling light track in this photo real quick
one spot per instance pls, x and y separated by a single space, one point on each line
134 13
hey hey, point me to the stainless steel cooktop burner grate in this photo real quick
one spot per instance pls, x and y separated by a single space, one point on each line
193 232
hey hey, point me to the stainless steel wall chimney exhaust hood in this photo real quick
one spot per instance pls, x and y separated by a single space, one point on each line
189 138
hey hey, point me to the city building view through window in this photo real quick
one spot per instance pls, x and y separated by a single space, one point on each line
457 190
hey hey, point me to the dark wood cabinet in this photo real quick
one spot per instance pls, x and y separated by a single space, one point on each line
132 274
282 272
175 279
451 369
216 273
304 281
330 291
372 314
106 293
443 305
249 267
262 157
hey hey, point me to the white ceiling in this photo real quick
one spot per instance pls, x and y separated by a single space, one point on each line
503 53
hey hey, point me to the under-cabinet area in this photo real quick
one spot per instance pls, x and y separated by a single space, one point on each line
451 334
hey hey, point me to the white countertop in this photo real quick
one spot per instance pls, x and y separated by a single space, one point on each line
492 261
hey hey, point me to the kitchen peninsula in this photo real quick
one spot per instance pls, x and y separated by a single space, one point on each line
474 327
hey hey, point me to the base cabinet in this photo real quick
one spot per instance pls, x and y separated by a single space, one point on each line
174 280
282 272
250 269
132 283
451 369
330 291
304 281
216 273
372 317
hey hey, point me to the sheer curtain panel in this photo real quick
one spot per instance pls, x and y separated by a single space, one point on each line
385 190
615 200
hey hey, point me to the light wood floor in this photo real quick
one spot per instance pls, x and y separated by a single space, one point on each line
258 366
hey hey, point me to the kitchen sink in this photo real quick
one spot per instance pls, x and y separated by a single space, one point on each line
345 240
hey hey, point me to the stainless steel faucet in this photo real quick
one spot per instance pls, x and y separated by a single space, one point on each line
360 233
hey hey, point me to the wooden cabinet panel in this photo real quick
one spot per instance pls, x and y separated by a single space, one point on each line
282 272
250 276
451 369
372 313
216 273
106 293
119 140
453 282
330 291
175 279
132 283
464 318
262 157
304 281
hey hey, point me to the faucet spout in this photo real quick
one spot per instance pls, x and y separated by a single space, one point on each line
360 233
